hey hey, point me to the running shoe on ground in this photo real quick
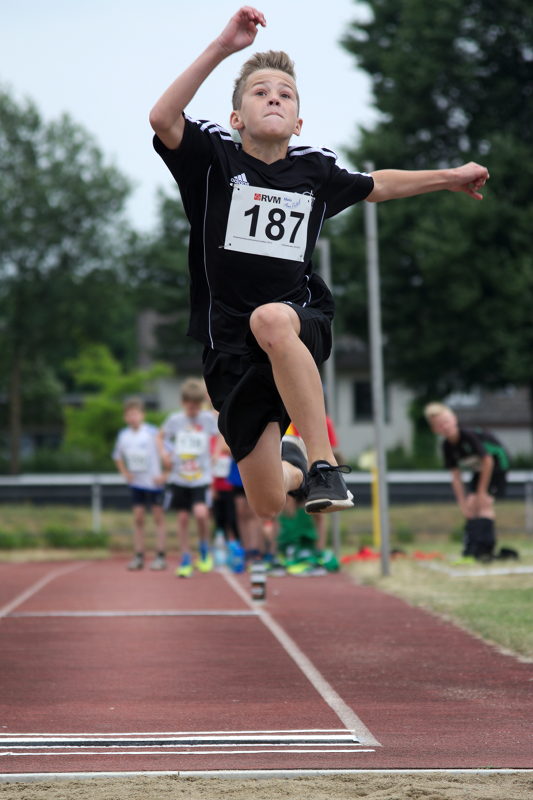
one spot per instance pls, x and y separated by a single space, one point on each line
185 569
293 451
204 562
158 563
326 490
307 569
137 562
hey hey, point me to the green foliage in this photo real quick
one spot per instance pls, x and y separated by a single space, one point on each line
404 534
398 458
458 533
17 539
54 535
62 536
92 429
63 243
452 83
161 277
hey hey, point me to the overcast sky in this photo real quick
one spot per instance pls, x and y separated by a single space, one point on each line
105 62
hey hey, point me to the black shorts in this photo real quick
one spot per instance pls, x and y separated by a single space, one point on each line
497 486
242 388
183 498
146 497
224 512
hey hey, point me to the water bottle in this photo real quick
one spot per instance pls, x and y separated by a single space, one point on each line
220 550
236 557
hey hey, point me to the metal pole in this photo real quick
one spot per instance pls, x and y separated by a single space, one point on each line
96 504
528 491
330 380
329 366
376 362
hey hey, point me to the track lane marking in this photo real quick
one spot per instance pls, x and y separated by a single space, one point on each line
40 584
186 752
343 711
254 774
155 613
271 732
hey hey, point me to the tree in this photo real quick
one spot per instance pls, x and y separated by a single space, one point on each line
453 81
61 239
161 277
92 428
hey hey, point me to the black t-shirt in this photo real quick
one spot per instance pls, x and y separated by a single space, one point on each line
470 448
227 281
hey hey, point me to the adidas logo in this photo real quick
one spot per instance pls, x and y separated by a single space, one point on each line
242 179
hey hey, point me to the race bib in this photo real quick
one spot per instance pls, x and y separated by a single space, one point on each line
222 467
137 460
190 443
268 222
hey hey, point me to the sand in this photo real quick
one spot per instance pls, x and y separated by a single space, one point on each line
444 786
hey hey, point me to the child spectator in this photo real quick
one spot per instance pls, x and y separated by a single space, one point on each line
224 511
137 458
185 440
481 452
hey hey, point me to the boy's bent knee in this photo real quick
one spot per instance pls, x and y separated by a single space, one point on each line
268 506
271 323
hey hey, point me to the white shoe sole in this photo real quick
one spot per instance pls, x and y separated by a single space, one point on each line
327 506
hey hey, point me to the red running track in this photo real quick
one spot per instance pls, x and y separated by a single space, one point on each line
104 670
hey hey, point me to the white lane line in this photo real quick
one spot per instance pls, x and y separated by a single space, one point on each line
253 774
41 583
133 740
155 613
187 752
346 715
187 734
481 572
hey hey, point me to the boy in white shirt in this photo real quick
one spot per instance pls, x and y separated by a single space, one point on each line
185 440
137 458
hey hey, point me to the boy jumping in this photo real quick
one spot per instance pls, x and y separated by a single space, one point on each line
256 208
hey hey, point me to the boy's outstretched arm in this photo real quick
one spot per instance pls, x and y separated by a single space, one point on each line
166 116
390 184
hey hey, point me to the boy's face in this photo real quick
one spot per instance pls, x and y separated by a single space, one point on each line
444 424
269 108
191 407
134 417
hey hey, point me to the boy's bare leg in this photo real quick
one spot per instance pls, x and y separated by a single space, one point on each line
265 477
138 531
183 532
201 514
160 528
249 523
276 327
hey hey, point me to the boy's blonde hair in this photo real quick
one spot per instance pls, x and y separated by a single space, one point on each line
272 59
193 391
134 402
433 410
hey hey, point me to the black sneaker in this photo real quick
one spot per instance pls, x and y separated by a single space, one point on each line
326 488
293 451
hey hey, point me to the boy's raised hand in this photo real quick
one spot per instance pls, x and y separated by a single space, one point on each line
469 179
241 30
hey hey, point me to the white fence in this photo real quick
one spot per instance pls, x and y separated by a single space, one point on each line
95 488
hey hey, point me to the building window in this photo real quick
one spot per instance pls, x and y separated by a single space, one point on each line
362 401
363 409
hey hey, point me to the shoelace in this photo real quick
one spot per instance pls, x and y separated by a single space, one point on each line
324 471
